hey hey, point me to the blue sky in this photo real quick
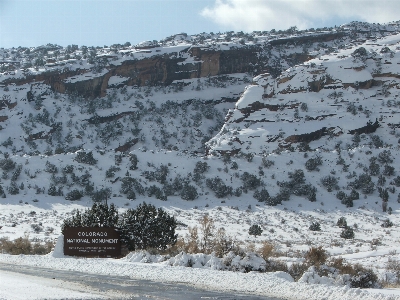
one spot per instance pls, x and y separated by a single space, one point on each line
105 22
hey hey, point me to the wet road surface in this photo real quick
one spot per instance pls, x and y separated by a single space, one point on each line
122 287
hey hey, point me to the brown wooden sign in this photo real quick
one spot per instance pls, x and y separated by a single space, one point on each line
92 242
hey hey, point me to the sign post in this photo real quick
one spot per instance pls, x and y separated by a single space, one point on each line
92 242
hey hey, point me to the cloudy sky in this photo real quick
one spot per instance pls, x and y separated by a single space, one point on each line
105 22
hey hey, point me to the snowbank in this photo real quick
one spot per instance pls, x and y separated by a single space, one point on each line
20 286
278 284
58 251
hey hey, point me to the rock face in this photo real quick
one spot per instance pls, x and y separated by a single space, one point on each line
369 128
307 137
90 88
163 68
154 70
333 95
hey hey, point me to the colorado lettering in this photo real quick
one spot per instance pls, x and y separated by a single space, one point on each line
92 233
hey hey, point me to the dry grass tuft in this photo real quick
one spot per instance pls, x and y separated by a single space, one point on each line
23 245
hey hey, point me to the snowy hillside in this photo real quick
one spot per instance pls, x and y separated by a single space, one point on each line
174 124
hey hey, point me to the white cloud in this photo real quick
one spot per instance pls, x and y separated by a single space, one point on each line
251 15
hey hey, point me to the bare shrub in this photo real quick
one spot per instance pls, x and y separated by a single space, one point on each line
222 244
360 277
250 247
18 246
193 240
23 245
316 256
276 265
39 249
393 266
189 244
341 265
207 229
267 250
205 239
180 245
296 270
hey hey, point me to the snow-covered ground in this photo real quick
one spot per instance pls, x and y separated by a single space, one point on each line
277 284
15 286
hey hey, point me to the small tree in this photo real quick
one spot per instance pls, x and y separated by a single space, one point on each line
388 170
50 168
360 52
364 278
134 161
2 194
100 215
341 195
130 184
147 227
52 190
16 173
7 164
218 186
341 222
347 201
396 181
261 196
154 190
315 226
250 181
86 158
313 163
234 165
255 230
354 195
384 195
330 183
304 106
267 163
347 233
385 157
374 167
201 167
387 223
74 195
131 195
13 189
189 192
102 195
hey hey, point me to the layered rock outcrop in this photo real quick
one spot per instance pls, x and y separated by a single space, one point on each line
316 102
188 63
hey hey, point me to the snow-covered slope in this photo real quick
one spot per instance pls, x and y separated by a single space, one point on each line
332 95
318 142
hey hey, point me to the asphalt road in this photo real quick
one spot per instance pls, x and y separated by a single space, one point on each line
115 287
